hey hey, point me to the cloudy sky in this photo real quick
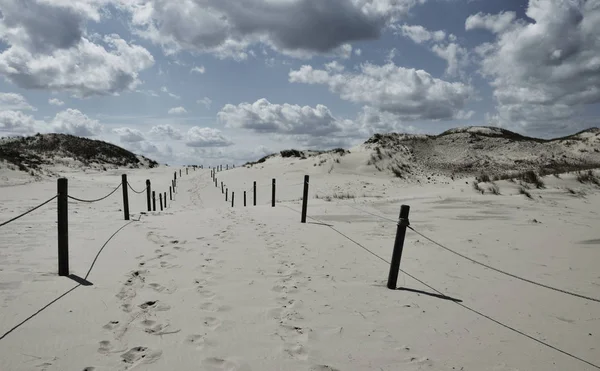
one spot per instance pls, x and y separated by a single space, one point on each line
209 81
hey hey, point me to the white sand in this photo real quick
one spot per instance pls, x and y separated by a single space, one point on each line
203 286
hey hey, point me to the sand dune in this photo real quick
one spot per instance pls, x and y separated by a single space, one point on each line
206 286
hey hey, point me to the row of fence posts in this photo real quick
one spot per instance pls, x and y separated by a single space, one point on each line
403 223
63 212
63 217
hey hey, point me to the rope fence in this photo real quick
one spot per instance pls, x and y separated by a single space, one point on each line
402 226
63 198
27 212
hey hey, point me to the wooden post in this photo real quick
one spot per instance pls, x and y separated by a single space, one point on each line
232 198
222 187
244 198
226 193
254 193
175 176
148 192
160 199
273 194
125 196
153 201
304 199
227 167
165 198
179 172
186 171
398 247
63 227
171 193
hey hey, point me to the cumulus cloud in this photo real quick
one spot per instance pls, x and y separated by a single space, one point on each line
409 93
72 121
198 69
16 122
492 22
441 44
14 101
543 71
166 131
265 117
128 135
177 111
228 28
206 102
40 55
206 137
55 102
419 34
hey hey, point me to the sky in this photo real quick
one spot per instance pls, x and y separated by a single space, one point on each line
229 81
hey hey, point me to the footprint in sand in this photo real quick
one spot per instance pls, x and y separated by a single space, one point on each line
154 305
153 328
212 307
218 364
322 368
199 341
111 325
212 323
139 355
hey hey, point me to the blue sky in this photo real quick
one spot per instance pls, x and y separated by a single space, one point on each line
208 81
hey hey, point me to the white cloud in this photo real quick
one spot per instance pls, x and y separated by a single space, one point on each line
72 121
166 91
40 55
496 23
420 34
455 55
358 52
177 111
409 93
228 28
206 102
14 101
206 137
542 72
265 117
16 122
166 131
55 102
128 135
198 69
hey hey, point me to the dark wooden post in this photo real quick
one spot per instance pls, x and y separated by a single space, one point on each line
273 194
165 198
175 176
304 199
226 193
222 188
232 198
153 201
398 247
186 171
171 193
244 198
63 227
254 193
179 172
148 193
125 196
160 199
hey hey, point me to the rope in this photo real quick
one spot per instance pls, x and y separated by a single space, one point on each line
27 212
503 272
457 302
134 191
99 199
